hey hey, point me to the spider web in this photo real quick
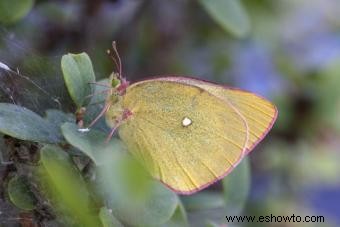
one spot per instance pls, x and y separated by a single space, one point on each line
34 80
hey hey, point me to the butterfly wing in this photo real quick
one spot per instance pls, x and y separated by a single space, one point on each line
186 157
259 113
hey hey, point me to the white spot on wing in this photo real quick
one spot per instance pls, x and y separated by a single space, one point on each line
186 122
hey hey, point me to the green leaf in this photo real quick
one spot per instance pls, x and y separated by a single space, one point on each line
107 218
91 143
179 218
64 186
78 73
133 196
236 188
229 14
96 105
58 117
201 217
203 200
21 123
19 193
14 10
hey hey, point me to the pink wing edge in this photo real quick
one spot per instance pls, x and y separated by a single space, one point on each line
175 78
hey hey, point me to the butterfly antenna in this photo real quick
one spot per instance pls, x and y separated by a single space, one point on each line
114 46
113 57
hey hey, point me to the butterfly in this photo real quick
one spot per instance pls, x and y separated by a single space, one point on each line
188 133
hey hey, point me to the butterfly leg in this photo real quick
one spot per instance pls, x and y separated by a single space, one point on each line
108 138
106 107
100 84
97 93
126 115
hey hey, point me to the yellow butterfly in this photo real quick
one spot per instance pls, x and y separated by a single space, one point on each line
188 133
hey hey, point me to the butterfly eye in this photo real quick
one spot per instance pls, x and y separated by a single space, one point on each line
186 121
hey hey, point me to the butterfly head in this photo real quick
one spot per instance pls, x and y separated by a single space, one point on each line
118 84
115 112
115 80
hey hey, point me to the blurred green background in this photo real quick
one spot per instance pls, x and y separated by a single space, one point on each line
285 50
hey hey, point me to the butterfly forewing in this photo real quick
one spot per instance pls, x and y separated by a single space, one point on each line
186 136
